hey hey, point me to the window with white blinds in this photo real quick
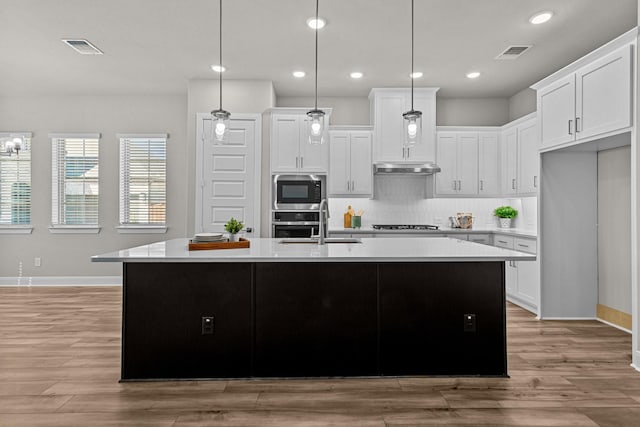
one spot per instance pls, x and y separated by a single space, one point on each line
15 179
75 180
143 180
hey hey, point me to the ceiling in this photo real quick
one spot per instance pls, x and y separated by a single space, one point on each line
156 46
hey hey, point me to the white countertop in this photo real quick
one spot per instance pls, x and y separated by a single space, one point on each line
517 232
425 249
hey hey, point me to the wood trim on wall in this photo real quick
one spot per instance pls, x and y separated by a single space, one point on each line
614 316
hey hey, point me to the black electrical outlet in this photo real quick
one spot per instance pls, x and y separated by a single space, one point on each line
469 322
207 325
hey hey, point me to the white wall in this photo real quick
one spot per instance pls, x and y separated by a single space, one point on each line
347 110
239 96
614 222
472 111
522 103
69 254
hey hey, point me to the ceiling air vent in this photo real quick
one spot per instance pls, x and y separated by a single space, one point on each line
82 46
513 52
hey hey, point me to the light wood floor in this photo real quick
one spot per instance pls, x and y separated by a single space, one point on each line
60 355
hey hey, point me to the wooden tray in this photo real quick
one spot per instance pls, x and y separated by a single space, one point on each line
243 243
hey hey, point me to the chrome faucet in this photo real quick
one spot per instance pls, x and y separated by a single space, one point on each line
322 210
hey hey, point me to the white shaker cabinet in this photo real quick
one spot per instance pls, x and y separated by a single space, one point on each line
290 150
520 157
457 157
522 278
387 107
595 99
488 163
350 164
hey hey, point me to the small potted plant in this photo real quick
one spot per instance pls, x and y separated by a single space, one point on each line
233 226
505 214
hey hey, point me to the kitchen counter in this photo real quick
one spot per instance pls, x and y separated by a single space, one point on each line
516 232
393 249
383 307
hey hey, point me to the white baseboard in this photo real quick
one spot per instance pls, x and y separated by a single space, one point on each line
614 325
62 281
568 318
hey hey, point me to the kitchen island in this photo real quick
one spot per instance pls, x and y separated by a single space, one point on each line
422 306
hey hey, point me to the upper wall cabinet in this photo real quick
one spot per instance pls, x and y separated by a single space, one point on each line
593 99
520 157
387 107
458 158
290 151
350 171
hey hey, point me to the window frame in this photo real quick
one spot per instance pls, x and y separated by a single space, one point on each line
57 227
6 228
123 212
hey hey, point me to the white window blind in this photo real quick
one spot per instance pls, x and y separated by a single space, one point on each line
75 188
143 180
15 181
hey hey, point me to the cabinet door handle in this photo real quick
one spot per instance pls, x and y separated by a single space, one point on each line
502 241
570 126
460 185
577 124
296 162
481 185
513 184
408 152
535 181
301 162
523 245
348 188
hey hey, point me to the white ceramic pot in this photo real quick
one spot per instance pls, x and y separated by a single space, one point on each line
505 222
234 237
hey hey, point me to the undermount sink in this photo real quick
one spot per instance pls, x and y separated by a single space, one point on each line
314 241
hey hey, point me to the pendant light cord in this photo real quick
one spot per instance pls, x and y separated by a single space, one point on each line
316 88
221 66
412 76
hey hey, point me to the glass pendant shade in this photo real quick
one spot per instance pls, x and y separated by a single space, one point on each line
412 128
315 127
220 126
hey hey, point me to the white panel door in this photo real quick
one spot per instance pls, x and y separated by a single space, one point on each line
228 179
285 140
603 94
361 165
528 158
339 163
556 105
467 163
447 152
488 163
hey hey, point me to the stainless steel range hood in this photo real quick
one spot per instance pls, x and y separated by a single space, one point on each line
426 168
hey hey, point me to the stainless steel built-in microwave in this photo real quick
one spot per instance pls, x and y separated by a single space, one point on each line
298 192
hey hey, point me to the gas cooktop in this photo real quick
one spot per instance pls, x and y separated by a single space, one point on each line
404 227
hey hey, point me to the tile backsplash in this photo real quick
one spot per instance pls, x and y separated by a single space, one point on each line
401 200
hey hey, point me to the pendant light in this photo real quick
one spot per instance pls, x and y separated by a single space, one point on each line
315 124
412 119
220 117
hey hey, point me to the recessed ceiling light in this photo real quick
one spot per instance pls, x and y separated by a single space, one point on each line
356 75
218 68
473 75
316 23
415 75
540 18
299 74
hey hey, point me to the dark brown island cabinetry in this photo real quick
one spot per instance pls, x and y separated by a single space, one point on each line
304 319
